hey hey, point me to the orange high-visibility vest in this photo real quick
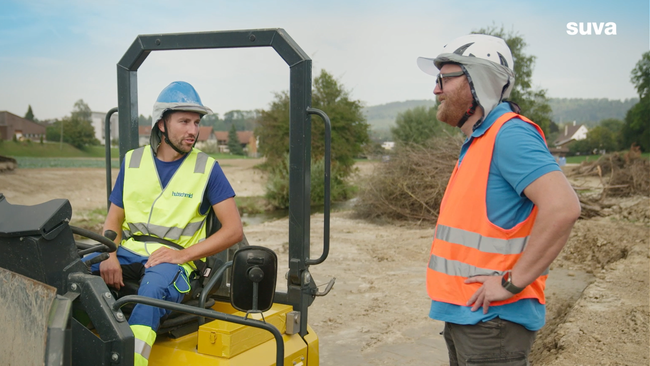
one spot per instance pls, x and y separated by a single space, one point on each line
466 243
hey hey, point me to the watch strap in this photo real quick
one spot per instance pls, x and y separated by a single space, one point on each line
506 282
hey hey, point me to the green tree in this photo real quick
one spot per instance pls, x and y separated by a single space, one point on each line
616 127
637 125
534 103
349 127
612 124
76 132
81 111
277 186
417 125
53 131
273 130
636 129
212 120
243 120
602 138
349 135
144 121
233 142
641 76
79 133
30 114
77 129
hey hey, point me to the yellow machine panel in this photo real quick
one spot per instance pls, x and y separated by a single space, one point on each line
221 343
224 339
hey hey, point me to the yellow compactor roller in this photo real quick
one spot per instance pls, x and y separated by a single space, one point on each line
54 312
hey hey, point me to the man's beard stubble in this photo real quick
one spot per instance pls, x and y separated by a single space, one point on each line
454 107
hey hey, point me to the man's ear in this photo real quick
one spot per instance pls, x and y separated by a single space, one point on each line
161 125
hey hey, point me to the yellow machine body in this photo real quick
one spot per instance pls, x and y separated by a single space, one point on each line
222 343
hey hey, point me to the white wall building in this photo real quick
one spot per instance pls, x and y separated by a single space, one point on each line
97 121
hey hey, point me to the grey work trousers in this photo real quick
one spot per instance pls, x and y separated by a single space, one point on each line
495 342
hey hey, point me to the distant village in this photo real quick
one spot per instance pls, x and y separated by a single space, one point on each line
13 126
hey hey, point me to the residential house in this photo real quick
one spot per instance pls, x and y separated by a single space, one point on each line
209 138
11 124
98 121
247 140
206 139
570 134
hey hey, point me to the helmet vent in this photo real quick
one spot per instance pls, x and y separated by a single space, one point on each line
502 60
460 50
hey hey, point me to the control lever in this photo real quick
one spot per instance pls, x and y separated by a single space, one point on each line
97 259
109 234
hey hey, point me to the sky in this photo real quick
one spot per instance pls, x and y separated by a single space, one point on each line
56 52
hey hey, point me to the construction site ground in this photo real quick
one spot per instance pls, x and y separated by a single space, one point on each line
598 292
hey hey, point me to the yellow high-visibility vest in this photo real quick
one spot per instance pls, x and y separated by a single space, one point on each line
171 213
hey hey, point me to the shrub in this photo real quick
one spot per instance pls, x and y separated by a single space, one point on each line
277 185
411 184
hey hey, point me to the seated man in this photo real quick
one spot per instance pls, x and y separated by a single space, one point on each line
159 205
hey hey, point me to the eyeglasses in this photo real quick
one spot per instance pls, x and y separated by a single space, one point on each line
448 75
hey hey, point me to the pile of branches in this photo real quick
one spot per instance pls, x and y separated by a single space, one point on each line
622 174
411 184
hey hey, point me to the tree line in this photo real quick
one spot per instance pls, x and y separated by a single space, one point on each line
242 120
589 111
76 129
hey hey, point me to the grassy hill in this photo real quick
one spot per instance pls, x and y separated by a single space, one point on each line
588 111
382 117
51 150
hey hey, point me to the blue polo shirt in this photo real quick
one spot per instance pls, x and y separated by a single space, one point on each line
520 157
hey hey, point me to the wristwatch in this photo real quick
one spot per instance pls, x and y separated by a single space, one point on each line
506 282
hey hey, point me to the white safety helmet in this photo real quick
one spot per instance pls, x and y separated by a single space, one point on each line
486 61
177 96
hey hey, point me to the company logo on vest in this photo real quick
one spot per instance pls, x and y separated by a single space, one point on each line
609 28
181 194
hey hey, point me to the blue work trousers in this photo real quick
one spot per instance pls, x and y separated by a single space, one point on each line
165 281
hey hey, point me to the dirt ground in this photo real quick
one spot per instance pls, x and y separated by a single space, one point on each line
598 290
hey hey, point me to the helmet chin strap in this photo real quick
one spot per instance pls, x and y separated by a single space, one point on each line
470 112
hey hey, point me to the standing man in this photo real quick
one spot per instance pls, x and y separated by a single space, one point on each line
159 206
506 214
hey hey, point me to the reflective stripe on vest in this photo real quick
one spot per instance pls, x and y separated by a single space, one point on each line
466 243
171 213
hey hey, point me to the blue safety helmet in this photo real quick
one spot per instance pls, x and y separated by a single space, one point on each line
177 96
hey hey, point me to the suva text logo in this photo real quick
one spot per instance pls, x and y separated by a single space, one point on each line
585 29
181 194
